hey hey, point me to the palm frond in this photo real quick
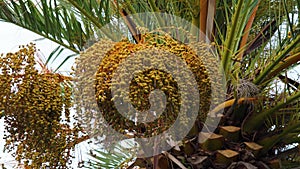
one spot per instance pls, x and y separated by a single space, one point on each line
71 26
119 156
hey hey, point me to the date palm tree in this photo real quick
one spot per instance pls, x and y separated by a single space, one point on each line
258 45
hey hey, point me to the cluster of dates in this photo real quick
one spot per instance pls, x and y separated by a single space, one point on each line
36 109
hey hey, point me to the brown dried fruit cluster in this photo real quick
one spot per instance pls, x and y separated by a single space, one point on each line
36 109
143 83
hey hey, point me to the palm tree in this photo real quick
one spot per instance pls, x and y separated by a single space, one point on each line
258 45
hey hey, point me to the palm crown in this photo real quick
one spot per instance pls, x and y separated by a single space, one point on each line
255 52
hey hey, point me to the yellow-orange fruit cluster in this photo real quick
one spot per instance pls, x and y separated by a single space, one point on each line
110 55
36 108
